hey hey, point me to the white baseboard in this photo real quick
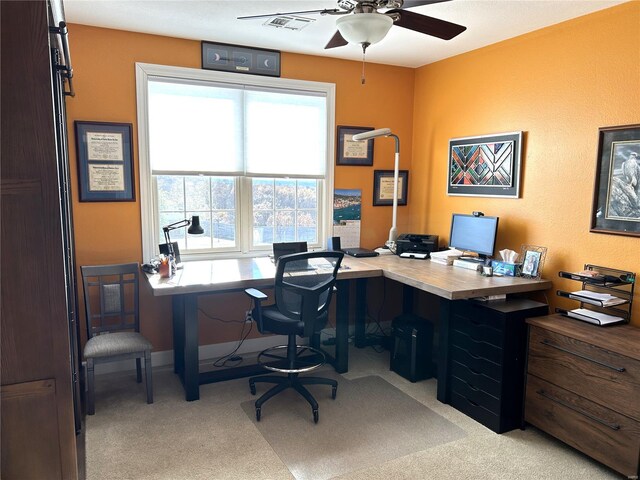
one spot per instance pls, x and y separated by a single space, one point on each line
207 353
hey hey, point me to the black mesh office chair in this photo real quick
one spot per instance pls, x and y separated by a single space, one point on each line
113 322
304 285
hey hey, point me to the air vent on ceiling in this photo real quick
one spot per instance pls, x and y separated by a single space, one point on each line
289 22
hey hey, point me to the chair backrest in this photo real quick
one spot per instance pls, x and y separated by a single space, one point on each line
304 285
111 298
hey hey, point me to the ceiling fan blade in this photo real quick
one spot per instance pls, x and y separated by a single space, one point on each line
427 25
336 41
417 3
331 11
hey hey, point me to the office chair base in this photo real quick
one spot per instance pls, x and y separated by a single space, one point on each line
316 360
291 381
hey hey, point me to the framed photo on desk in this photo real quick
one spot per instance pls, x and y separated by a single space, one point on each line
105 161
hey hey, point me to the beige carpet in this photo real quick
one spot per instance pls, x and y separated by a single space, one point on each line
215 439
369 423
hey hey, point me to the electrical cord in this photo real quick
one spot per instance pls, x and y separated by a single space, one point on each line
224 361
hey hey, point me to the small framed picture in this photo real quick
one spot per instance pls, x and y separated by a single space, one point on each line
105 161
533 258
351 152
383 187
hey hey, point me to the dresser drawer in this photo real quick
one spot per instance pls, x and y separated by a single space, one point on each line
601 433
476 363
476 347
474 393
475 378
602 376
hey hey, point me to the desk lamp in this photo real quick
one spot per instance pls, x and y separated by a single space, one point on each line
386 132
194 229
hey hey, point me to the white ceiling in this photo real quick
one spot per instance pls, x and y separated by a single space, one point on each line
487 22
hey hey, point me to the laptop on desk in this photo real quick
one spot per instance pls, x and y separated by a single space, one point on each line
287 248
360 252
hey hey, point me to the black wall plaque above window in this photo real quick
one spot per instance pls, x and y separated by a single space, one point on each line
240 59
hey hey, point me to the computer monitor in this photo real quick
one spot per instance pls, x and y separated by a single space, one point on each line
475 234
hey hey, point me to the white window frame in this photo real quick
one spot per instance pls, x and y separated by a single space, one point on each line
148 202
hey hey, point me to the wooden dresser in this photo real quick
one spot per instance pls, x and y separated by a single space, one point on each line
583 387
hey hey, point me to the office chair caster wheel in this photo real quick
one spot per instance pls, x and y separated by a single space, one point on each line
334 391
315 416
257 414
252 388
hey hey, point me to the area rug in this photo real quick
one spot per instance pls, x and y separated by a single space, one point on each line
369 423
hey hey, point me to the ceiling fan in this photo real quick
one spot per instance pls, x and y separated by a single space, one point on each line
362 23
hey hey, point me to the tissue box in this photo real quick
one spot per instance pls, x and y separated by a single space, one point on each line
505 268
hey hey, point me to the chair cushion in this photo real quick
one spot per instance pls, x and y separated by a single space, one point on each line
109 344
275 322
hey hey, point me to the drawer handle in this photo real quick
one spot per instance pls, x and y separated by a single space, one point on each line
584 357
612 426
475 389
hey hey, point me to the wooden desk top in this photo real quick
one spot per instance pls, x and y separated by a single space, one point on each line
211 276
448 282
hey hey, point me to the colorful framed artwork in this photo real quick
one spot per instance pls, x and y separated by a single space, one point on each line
105 161
351 152
616 194
485 166
383 187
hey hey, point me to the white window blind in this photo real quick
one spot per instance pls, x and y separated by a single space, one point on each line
286 134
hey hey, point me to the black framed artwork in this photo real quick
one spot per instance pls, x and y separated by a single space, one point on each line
240 59
105 161
351 152
485 166
383 187
616 194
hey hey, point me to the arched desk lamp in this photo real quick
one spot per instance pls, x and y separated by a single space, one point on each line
386 132
170 248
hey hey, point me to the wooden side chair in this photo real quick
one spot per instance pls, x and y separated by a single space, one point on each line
113 323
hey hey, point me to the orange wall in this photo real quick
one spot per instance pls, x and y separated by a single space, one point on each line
105 91
557 85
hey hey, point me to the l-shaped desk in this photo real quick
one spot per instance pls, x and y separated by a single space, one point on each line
197 278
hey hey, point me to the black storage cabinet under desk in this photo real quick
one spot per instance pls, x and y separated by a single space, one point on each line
487 351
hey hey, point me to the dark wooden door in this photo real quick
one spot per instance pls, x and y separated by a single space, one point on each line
38 434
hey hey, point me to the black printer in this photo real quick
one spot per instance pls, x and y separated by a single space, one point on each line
416 243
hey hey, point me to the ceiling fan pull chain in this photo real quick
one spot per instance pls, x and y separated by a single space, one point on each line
364 50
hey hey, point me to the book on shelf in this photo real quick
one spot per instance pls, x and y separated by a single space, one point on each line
596 298
591 316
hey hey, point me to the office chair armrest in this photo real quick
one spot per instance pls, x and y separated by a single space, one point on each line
257 295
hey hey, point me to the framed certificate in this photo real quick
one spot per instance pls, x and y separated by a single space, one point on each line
383 187
105 161
351 152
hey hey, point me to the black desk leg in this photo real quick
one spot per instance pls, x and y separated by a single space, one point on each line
342 327
444 394
361 313
178 335
191 378
407 299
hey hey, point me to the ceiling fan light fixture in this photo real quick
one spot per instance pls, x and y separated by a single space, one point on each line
366 28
